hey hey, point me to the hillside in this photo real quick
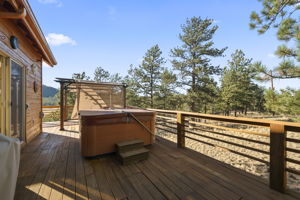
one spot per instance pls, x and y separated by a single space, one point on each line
49 91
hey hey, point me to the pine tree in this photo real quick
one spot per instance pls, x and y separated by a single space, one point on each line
146 78
192 60
80 76
282 15
287 101
116 78
167 96
133 97
257 100
101 75
237 88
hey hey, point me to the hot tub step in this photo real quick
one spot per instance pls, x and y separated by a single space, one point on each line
134 155
123 147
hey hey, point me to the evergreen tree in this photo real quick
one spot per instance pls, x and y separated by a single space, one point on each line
116 78
146 78
237 89
282 15
101 75
167 97
133 98
192 59
80 76
271 101
257 100
287 101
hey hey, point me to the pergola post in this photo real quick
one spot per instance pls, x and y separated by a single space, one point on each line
62 88
66 105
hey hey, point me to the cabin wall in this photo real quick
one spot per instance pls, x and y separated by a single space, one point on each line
27 56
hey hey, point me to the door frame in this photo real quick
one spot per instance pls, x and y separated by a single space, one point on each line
5 99
5 96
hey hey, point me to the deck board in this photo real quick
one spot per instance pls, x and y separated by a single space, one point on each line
52 168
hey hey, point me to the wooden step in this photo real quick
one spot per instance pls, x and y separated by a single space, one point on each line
134 155
126 146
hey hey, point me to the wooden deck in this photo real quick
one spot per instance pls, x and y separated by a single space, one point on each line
52 168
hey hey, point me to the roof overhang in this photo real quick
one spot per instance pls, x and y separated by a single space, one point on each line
34 30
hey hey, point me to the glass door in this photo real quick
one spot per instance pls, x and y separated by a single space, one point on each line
17 101
2 95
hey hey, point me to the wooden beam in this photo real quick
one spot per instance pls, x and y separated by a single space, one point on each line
180 130
14 4
62 88
277 157
13 15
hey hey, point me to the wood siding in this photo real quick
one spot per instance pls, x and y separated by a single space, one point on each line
27 55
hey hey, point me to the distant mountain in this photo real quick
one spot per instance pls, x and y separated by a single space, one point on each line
49 91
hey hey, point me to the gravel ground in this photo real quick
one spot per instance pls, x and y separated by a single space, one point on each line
220 149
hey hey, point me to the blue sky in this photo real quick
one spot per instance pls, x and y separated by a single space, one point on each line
85 34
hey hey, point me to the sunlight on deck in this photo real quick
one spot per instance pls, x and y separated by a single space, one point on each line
54 192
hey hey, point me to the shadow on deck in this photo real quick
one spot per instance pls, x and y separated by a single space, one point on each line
52 168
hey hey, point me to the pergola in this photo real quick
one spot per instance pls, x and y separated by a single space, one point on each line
90 95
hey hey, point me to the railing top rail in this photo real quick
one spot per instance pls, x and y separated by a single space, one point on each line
55 106
290 126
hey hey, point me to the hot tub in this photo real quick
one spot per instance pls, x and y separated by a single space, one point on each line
100 130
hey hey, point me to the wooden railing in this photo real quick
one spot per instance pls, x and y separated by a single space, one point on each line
47 110
53 112
267 138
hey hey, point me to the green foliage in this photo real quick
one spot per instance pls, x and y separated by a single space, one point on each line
144 80
192 60
80 76
50 101
271 103
238 92
101 75
281 15
54 116
287 101
116 78
167 97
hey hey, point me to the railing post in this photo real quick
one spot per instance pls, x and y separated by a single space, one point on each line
180 131
277 180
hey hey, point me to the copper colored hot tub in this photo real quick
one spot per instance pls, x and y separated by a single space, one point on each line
100 130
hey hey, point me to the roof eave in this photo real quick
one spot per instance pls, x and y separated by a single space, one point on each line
35 30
